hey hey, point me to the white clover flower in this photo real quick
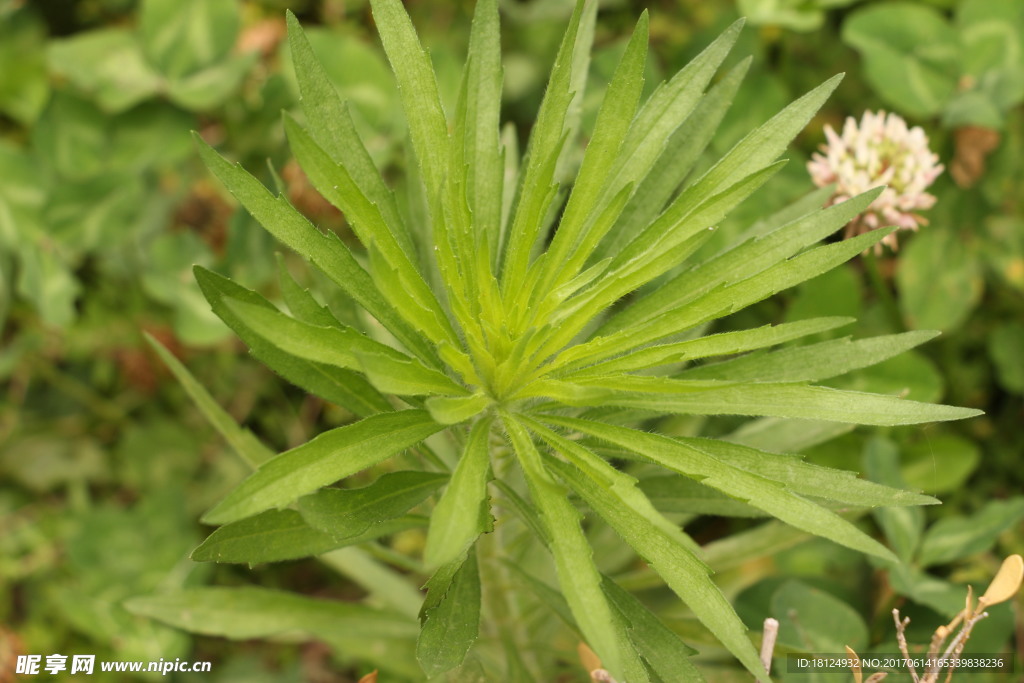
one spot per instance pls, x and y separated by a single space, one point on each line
880 151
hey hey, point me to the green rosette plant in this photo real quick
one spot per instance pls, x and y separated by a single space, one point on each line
518 340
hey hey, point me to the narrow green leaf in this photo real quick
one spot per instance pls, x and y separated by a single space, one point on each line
748 259
577 574
681 153
782 435
546 595
483 113
278 535
674 227
347 513
452 625
463 512
327 252
677 494
722 300
764 145
659 118
808 479
453 410
325 459
330 122
343 387
247 446
585 307
766 540
546 139
384 585
300 301
418 305
758 491
686 575
417 87
773 400
655 252
617 484
805 205
249 612
665 651
511 181
722 344
388 370
613 120
568 164
814 362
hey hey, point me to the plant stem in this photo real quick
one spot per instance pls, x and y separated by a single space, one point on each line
500 608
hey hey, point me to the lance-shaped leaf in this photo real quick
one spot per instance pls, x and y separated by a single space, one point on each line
340 386
674 227
667 654
389 370
330 122
419 306
814 362
808 479
249 612
451 623
613 121
764 145
619 485
805 478
347 513
721 344
697 397
326 252
577 574
383 638
674 493
655 252
741 262
668 107
681 153
324 460
453 410
686 575
278 535
546 139
301 302
614 495
417 87
463 512
722 300
480 112
755 490
247 446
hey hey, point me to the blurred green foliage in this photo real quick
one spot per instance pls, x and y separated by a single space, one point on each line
104 209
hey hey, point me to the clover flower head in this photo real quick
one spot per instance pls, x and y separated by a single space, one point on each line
882 150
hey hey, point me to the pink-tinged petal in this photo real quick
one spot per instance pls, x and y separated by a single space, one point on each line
880 149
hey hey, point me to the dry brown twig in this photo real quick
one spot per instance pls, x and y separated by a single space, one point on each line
1004 586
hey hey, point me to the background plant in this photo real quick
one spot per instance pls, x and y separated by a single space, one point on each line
97 435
